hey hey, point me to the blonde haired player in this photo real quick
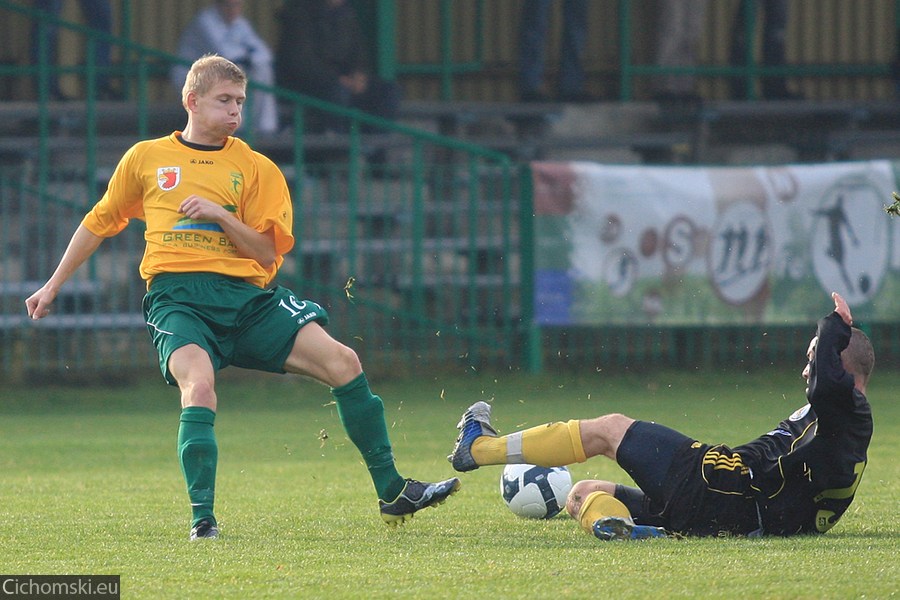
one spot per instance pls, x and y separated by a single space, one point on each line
218 222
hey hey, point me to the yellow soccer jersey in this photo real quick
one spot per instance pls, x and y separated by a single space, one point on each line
155 176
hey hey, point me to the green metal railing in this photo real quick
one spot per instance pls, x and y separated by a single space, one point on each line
449 66
616 349
748 72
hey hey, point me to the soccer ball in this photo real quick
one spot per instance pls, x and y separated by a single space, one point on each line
535 492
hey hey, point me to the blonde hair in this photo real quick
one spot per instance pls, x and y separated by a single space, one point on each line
207 71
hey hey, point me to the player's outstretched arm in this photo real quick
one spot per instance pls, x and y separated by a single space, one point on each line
80 248
842 308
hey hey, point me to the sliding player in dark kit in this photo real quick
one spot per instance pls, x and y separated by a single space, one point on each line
798 478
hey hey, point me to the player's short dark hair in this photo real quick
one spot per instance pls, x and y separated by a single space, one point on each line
207 71
859 355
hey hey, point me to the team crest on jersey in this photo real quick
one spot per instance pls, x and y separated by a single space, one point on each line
237 179
168 178
799 413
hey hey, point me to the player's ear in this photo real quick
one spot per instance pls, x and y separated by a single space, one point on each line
190 101
811 349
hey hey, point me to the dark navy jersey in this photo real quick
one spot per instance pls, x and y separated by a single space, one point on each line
805 472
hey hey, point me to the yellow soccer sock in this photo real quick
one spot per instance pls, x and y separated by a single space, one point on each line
598 505
488 450
551 445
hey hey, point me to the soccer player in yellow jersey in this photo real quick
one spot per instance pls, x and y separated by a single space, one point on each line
218 222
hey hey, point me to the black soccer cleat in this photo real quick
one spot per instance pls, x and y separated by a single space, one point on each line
205 529
415 496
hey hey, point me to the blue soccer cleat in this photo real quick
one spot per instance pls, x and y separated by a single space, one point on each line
475 423
620 528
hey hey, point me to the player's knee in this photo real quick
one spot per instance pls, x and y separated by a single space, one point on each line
582 490
602 436
577 495
198 393
614 420
345 366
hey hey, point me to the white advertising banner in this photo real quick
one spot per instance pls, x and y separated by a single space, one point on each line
633 244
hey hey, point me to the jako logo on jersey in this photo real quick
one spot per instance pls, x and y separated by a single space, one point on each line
168 178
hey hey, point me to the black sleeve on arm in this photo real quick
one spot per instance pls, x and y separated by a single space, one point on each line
830 386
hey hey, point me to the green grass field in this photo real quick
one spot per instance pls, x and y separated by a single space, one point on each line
91 485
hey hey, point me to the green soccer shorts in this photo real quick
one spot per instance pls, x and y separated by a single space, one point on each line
236 322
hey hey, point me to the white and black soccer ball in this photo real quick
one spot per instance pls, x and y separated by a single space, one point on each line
535 492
